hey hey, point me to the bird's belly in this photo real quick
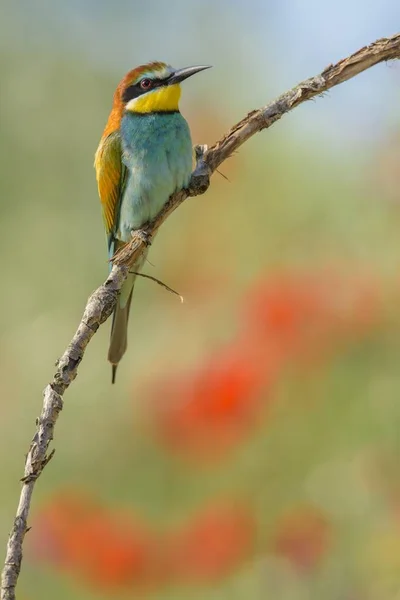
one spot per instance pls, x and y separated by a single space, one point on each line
145 195
154 173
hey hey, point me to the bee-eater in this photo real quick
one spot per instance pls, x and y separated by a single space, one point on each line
144 156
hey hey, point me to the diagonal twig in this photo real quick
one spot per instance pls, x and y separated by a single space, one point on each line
161 283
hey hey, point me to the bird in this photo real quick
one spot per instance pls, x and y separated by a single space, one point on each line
144 155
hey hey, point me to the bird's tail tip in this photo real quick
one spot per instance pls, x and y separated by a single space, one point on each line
113 373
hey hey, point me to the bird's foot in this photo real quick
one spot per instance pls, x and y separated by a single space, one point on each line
200 179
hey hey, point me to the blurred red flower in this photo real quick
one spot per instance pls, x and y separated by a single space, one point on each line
288 316
115 552
282 305
54 522
303 536
302 314
206 411
214 543
104 549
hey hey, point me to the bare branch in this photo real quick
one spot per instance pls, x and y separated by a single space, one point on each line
257 120
102 302
99 307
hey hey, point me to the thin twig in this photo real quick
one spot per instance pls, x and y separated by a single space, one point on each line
102 302
164 285
222 175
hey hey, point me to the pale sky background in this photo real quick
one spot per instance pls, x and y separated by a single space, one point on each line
261 47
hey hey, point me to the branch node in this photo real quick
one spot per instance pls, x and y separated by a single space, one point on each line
142 235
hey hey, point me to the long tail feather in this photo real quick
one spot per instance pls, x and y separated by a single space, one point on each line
119 333
119 328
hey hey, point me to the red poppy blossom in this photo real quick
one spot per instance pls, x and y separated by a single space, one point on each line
215 542
206 411
102 548
302 314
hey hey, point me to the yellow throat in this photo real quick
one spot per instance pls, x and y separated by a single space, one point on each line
161 99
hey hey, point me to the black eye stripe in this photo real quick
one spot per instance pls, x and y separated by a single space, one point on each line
131 92
134 91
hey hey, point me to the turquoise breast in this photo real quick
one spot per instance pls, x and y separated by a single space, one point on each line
157 151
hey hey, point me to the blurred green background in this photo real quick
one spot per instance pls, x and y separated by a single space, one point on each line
251 445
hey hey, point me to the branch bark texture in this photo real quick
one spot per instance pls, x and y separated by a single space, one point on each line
102 302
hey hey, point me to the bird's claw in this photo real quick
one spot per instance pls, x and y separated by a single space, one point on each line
200 179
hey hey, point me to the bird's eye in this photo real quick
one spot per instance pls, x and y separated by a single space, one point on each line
145 84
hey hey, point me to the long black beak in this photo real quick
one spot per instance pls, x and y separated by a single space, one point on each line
182 74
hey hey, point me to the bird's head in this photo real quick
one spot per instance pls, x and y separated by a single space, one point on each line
154 87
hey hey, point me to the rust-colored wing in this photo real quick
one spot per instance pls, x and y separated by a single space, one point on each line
110 173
